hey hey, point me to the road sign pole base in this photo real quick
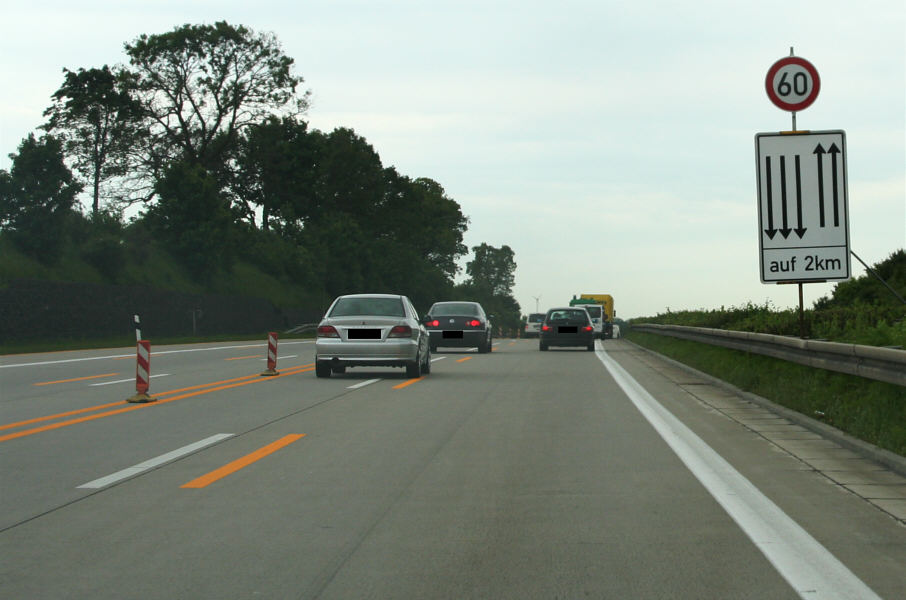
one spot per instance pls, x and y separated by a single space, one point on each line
270 373
141 397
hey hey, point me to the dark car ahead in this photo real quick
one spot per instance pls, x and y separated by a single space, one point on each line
568 326
459 325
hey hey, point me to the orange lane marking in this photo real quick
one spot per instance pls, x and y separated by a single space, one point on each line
244 357
229 469
155 402
60 415
124 358
405 383
76 379
464 359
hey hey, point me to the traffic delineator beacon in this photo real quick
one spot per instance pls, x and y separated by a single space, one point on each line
142 373
271 355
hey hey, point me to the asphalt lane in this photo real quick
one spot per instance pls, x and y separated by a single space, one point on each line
512 474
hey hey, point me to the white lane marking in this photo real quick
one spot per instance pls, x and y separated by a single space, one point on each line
438 358
806 565
153 353
126 380
154 462
283 357
363 384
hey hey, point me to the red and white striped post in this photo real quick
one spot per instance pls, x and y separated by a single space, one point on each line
271 355
142 372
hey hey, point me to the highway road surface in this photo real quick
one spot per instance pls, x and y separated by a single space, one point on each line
515 474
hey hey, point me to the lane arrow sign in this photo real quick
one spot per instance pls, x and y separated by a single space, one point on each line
800 230
819 151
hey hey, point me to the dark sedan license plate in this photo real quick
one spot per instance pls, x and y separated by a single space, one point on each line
568 329
453 335
364 334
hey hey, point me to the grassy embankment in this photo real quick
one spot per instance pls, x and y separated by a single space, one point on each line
860 311
150 267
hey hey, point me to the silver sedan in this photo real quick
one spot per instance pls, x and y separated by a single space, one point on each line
375 330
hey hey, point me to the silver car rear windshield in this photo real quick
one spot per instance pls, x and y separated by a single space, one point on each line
383 307
536 318
454 308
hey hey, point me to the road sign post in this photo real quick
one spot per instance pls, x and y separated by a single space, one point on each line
803 212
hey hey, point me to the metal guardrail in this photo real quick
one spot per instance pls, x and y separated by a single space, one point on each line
873 362
302 328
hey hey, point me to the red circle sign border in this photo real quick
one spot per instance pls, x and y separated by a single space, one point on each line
792 60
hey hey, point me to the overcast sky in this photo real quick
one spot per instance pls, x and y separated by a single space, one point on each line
609 144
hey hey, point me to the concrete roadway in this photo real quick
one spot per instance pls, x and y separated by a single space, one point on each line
515 474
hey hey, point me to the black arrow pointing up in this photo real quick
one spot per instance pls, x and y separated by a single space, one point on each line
833 150
800 230
819 150
770 231
785 230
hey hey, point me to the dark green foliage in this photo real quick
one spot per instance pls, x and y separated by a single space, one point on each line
860 311
100 241
240 196
491 278
869 410
867 290
275 172
37 197
193 219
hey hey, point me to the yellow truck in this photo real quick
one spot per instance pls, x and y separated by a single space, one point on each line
605 300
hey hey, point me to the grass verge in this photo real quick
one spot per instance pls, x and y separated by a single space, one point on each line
872 411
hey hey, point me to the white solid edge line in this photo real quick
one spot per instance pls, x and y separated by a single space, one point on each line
811 570
438 358
154 462
363 384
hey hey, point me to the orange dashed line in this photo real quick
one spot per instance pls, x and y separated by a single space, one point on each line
406 383
229 469
244 357
464 359
76 379
60 415
156 400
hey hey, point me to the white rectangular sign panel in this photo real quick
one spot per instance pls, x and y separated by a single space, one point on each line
803 207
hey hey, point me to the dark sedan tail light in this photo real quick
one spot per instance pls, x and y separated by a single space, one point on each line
587 328
545 328
434 323
474 323
400 331
327 331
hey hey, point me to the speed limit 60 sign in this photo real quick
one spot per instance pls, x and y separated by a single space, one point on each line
792 83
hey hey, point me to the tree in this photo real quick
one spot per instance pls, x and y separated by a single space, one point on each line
37 197
200 85
97 120
493 269
491 278
193 218
275 172
419 214
349 178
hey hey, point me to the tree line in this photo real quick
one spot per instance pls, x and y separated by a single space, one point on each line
203 132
